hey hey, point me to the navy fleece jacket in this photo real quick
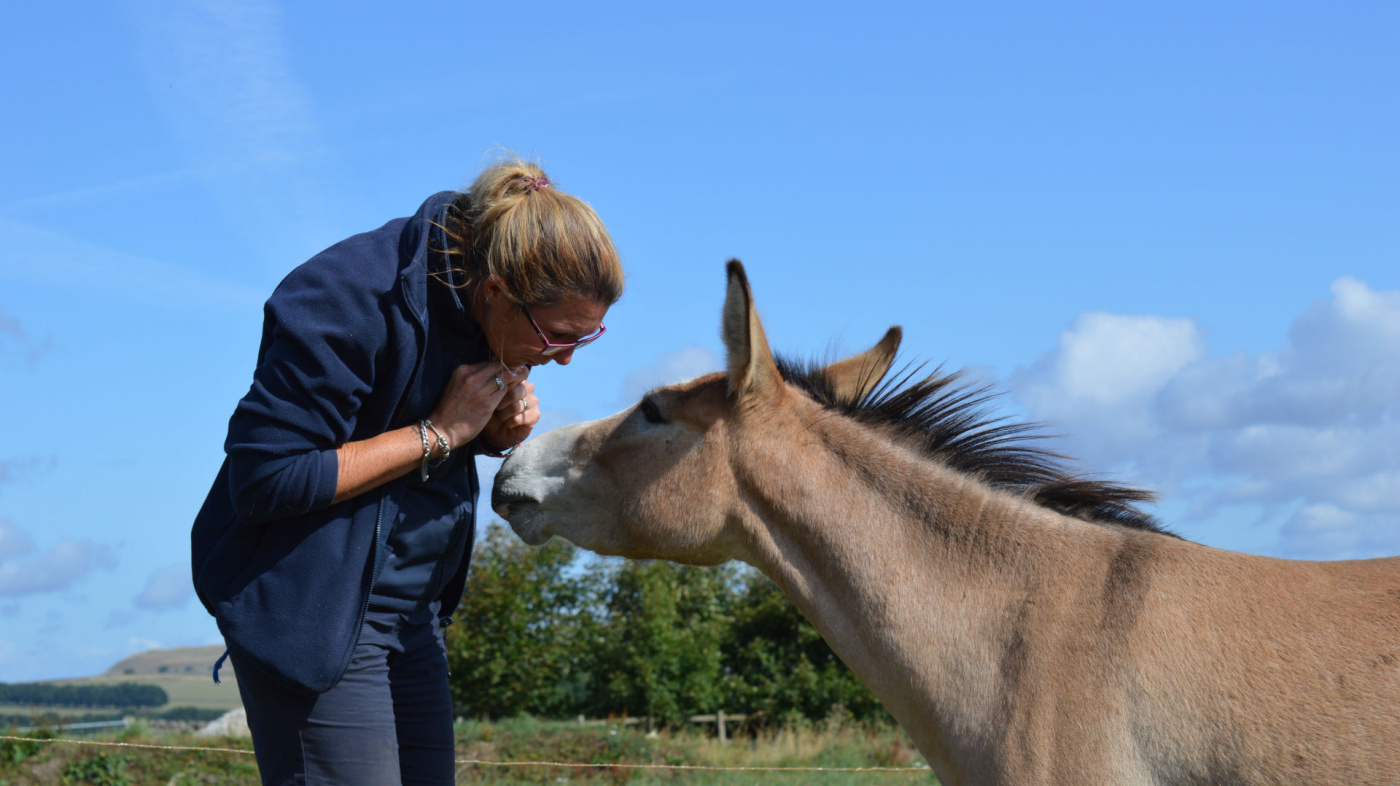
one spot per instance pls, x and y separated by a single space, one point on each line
286 573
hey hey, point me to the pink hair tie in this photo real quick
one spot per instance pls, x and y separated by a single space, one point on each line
536 183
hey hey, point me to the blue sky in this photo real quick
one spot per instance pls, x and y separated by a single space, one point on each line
1171 231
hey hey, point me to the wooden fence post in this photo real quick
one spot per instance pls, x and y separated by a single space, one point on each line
720 717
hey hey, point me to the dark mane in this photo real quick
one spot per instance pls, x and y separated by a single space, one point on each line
950 421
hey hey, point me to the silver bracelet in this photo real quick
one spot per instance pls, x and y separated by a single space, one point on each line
427 449
441 442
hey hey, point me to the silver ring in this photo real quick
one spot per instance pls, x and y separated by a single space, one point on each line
499 384
527 406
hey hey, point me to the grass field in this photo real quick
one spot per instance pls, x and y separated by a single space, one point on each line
833 744
185 690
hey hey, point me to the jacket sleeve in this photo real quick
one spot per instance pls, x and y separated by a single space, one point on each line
321 334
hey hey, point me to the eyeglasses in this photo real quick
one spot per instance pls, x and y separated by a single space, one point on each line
550 348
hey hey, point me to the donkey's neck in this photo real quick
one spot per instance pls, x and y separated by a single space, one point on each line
911 571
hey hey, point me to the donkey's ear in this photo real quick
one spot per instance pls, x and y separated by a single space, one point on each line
854 377
751 366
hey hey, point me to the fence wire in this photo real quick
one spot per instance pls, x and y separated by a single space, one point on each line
483 763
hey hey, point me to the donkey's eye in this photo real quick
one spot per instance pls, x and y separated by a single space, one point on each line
651 412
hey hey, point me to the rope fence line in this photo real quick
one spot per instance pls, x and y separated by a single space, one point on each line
922 770
481 762
126 744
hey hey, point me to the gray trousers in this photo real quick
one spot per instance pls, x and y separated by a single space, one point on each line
387 722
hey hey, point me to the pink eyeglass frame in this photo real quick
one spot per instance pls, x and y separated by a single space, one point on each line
550 348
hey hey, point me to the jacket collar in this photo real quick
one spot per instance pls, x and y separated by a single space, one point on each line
422 234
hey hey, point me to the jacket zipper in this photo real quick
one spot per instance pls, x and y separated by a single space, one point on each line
379 514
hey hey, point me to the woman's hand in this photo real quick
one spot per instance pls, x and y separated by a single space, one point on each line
472 400
515 417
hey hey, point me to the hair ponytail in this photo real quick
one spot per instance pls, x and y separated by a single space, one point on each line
544 244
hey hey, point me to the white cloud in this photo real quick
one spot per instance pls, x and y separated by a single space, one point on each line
1110 368
166 589
1341 366
683 364
137 644
1314 426
25 572
1330 530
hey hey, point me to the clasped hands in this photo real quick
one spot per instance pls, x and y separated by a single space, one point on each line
488 402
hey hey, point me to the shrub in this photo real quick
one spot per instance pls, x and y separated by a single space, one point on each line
101 770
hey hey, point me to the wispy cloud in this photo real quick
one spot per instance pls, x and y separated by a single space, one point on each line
137 644
12 333
35 255
12 469
102 191
1312 428
26 571
678 366
166 589
222 74
119 618
14 542
10 327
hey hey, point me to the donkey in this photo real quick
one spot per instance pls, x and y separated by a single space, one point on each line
1024 624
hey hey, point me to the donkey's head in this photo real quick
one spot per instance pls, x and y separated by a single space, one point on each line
673 477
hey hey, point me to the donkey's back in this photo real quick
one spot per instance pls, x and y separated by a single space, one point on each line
1255 670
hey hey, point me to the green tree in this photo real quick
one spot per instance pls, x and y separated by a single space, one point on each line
659 651
779 665
518 647
126 694
540 633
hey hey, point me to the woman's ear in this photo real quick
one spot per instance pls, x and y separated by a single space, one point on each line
492 289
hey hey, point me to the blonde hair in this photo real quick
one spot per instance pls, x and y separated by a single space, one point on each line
544 244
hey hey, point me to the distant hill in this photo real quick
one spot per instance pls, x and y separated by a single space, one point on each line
179 660
183 672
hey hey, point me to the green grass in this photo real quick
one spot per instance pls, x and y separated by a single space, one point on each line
833 744
74 764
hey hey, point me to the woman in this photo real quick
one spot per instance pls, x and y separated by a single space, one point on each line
333 546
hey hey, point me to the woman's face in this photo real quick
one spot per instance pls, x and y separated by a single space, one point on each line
514 339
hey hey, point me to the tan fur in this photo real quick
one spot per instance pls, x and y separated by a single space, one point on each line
856 377
1015 645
